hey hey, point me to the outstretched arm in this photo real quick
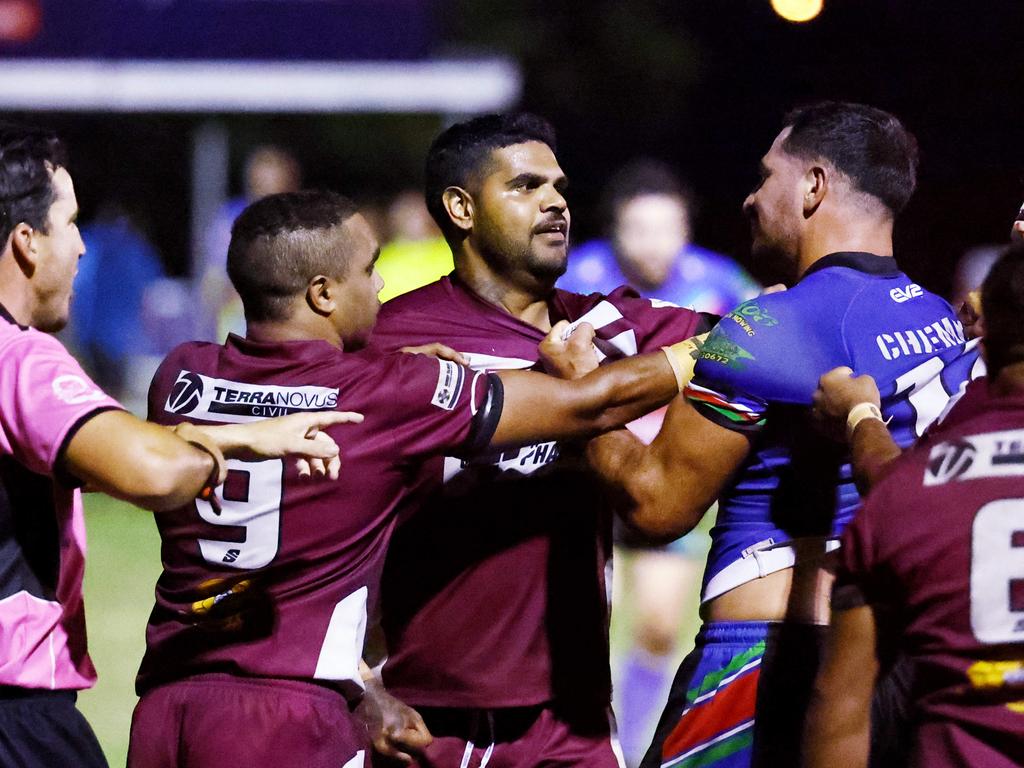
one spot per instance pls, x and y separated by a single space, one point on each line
539 407
667 486
159 469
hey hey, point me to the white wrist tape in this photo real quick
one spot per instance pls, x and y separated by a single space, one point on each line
858 413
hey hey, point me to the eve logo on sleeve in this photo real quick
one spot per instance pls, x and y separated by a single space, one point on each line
900 295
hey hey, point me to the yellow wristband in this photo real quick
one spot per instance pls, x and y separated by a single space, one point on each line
858 413
682 356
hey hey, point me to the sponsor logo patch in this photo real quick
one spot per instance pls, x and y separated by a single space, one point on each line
755 312
203 397
719 349
525 460
450 379
900 295
75 390
994 454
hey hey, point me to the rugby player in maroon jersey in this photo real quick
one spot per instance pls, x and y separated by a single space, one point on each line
254 645
58 432
932 565
494 600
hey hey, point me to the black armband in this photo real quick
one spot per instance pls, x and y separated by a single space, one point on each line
485 422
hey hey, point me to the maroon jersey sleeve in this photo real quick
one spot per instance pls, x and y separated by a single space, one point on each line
439 407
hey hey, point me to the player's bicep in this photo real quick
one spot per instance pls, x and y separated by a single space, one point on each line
696 457
540 407
534 406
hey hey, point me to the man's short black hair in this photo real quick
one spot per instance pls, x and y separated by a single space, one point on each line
643 176
869 146
28 157
278 244
461 151
1002 307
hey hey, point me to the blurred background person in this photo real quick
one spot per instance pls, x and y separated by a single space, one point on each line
415 253
269 170
648 247
110 287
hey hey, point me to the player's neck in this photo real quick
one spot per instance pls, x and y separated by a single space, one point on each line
15 293
838 233
528 303
274 332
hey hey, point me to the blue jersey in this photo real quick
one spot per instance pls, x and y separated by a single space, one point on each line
758 371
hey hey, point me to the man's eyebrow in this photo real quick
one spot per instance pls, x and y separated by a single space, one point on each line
74 216
526 178
376 255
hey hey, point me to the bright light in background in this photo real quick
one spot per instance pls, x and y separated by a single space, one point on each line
797 10
20 20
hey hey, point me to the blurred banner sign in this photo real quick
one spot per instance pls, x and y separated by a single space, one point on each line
293 30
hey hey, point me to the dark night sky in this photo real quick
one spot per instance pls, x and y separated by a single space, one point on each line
953 72
701 84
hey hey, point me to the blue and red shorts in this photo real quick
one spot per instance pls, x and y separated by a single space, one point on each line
739 698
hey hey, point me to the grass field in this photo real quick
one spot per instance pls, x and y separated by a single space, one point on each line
122 568
121 571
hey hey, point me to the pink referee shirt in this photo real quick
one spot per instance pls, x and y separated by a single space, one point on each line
44 398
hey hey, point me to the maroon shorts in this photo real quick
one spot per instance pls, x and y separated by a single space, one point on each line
223 721
521 737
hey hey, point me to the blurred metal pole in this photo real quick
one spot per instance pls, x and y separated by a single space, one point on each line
210 167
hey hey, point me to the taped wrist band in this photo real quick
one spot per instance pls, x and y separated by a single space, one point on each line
860 412
682 356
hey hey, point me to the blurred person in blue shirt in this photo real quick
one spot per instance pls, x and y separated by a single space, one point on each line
106 311
269 170
648 247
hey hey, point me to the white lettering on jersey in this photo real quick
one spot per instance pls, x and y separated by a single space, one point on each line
942 334
900 295
203 397
994 454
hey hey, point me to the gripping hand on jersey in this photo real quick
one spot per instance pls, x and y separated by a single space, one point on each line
837 393
569 353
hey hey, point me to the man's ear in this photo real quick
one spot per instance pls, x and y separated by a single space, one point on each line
816 183
459 205
25 248
320 295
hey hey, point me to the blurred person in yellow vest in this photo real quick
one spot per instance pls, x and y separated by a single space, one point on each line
416 253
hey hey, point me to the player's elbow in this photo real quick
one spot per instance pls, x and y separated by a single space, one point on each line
657 510
160 482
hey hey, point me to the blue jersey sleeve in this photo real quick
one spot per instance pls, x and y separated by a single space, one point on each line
762 352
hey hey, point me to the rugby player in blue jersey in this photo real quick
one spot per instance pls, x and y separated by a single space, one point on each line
831 187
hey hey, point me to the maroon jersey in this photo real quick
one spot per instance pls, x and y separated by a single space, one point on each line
494 592
939 550
277 582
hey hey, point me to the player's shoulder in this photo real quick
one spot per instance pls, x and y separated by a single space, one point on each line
419 300
187 353
770 348
17 341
